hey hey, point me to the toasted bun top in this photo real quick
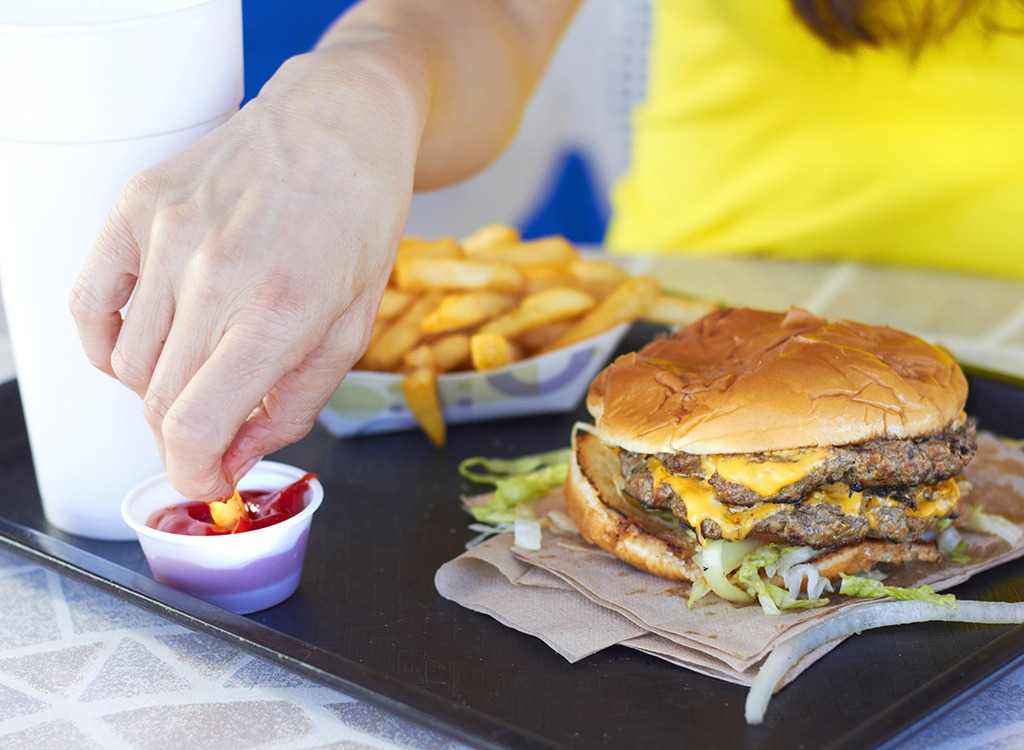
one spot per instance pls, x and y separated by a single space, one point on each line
748 381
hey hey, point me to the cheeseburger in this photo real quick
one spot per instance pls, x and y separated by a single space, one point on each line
782 448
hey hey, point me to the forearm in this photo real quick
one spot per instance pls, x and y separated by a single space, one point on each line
462 70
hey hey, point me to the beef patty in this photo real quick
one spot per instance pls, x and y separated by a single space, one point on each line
880 467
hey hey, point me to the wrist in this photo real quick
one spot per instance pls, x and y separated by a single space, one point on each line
369 80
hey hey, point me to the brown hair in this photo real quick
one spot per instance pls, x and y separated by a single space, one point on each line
848 24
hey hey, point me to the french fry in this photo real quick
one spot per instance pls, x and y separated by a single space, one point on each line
545 306
450 352
419 357
226 514
540 276
452 274
672 310
597 276
540 336
627 302
416 247
488 236
420 389
402 334
443 354
548 251
489 351
457 311
393 303
494 298
445 247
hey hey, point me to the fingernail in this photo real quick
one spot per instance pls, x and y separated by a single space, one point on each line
245 468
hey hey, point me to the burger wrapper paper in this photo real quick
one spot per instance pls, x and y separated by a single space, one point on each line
580 600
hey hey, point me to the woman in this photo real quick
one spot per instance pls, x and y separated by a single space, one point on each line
257 256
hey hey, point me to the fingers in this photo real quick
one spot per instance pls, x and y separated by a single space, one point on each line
234 277
172 240
253 394
292 407
195 428
143 333
104 287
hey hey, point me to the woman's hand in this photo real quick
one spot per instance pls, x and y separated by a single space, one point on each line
234 285
254 263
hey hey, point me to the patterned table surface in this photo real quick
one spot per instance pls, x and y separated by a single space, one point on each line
80 668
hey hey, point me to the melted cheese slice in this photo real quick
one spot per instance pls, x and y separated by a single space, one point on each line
764 477
737 522
932 502
851 503
702 504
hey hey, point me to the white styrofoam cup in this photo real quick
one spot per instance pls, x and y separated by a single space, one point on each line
91 92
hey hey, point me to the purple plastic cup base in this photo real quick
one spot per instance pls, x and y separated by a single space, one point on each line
251 588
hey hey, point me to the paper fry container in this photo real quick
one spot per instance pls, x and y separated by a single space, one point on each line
369 403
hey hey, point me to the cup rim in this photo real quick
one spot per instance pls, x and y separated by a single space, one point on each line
167 537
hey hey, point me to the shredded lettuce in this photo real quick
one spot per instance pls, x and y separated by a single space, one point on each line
951 545
516 481
733 570
772 598
492 470
958 554
737 573
867 588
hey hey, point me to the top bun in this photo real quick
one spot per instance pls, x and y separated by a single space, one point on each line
749 381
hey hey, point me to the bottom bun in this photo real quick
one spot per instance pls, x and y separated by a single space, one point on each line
619 525
649 541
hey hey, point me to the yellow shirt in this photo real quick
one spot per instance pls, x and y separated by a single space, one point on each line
756 137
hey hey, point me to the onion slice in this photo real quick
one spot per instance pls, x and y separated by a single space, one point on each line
719 558
852 620
976 519
527 534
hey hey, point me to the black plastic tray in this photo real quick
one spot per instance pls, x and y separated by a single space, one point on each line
368 620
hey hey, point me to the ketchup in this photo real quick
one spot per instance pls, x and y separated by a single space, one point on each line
263 508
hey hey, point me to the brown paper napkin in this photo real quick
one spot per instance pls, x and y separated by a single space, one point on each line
579 600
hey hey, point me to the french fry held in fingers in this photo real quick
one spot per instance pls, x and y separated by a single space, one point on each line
226 514
493 299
